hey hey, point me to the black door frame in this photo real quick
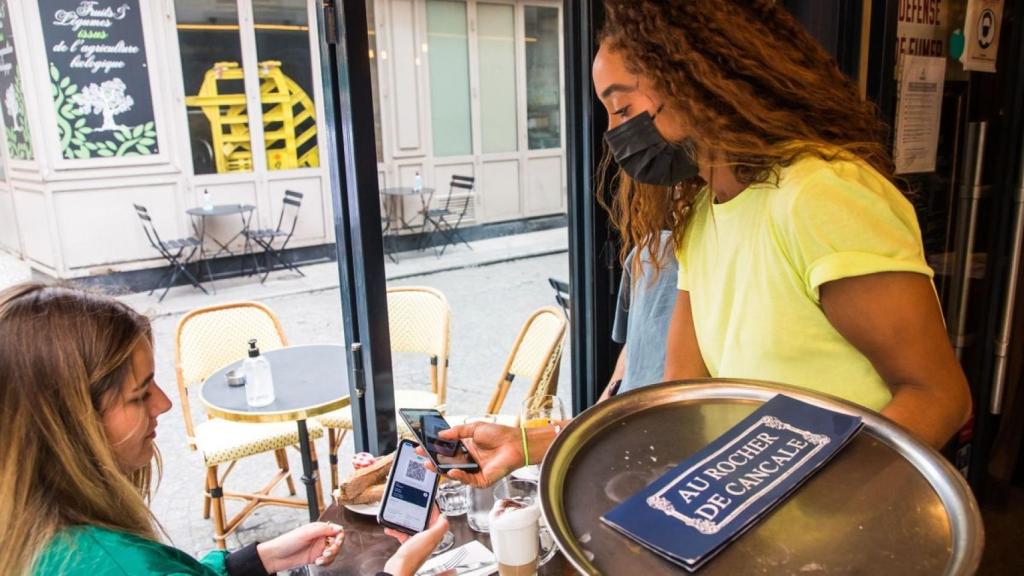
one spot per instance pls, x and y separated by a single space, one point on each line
355 197
593 262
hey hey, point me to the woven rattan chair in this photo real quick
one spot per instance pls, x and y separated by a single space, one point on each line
418 320
208 339
534 357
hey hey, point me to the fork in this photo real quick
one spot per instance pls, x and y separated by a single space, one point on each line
473 566
457 557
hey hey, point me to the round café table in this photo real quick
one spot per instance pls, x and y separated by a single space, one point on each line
200 214
394 213
308 381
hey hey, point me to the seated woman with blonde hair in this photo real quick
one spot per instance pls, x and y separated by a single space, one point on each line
78 416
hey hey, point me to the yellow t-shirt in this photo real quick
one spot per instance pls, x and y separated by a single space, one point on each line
753 266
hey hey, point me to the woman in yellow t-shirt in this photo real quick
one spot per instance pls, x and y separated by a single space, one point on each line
799 261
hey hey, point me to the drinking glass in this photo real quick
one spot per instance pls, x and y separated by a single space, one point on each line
517 542
452 498
481 500
537 412
519 490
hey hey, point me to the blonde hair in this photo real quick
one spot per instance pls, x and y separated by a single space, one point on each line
64 355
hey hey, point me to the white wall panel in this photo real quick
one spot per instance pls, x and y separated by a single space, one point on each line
498 189
100 227
543 185
8 223
403 62
34 224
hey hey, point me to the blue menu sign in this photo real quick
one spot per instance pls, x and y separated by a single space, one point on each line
690 513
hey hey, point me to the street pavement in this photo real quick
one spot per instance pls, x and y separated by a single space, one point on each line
489 304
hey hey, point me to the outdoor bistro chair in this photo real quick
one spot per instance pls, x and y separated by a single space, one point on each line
208 339
445 221
172 251
535 356
561 294
265 237
419 322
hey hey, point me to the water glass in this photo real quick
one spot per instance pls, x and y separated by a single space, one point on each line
481 500
519 490
452 498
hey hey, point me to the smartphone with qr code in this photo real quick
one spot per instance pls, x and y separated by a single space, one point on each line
446 455
410 492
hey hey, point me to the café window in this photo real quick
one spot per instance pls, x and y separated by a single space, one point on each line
211 68
213 64
497 69
448 47
543 80
286 84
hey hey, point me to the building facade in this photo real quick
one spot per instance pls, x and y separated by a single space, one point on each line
110 103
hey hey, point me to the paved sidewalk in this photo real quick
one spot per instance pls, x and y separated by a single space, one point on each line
325 276
13 270
489 304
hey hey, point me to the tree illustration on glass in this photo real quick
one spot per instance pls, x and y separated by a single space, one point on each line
108 99
13 109
78 141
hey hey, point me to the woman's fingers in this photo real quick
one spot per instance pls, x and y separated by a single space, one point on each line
334 536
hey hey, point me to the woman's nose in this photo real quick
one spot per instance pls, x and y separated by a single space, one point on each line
161 402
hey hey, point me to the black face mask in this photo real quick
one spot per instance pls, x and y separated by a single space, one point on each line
644 154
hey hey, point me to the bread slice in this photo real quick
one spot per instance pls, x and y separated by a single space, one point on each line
371 495
364 478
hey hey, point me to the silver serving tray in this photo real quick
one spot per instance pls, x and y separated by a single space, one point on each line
887 504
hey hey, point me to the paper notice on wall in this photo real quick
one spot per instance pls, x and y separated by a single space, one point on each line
918 113
981 35
922 27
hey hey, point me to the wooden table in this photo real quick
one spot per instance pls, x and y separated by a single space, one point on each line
367 548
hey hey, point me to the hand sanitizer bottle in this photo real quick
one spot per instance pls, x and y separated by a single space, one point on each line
259 382
417 184
207 201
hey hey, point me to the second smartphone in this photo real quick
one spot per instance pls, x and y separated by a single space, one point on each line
445 454
410 492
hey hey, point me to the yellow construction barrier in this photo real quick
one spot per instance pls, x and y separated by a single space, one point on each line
289 119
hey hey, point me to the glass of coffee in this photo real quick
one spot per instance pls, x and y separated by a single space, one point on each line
515 537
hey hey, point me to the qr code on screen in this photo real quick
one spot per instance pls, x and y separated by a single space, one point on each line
416 471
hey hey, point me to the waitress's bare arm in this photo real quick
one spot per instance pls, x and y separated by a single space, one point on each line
682 357
894 319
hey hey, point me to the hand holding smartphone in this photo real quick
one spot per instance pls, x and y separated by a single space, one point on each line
409 493
445 454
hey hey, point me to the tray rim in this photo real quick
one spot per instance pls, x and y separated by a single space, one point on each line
966 527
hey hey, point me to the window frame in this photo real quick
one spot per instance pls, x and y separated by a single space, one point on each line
254 106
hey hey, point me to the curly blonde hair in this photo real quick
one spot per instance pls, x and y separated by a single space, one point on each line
755 90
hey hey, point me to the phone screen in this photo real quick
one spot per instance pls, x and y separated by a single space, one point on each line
407 503
447 454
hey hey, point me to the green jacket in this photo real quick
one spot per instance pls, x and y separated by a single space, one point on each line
93 551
